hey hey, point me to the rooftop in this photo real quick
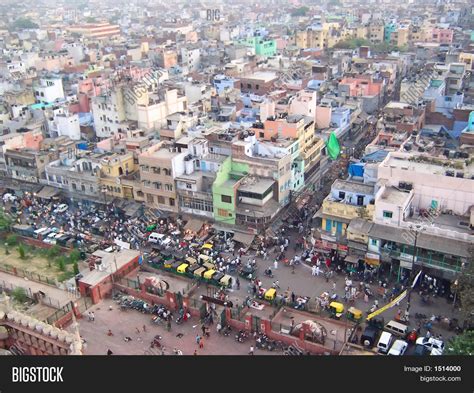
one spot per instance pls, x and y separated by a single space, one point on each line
256 185
395 196
352 186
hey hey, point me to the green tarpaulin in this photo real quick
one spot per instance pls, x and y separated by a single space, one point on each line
333 146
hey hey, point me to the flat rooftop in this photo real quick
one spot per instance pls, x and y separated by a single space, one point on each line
256 185
264 76
394 196
352 186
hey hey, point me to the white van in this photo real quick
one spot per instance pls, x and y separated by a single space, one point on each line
385 342
155 237
397 328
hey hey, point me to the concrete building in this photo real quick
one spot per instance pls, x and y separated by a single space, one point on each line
49 90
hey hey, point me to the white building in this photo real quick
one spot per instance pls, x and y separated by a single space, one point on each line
49 90
64 123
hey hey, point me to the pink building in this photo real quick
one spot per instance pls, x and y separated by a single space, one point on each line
357 87
442 36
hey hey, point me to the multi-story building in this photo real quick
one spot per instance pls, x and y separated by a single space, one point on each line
114 169
98 31
26 165
160 165
49 90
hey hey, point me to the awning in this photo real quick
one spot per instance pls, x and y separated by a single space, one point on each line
352 258
47 192
193 225
245 238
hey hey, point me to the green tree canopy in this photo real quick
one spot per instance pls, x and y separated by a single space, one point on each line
5 222
301 11
462 344
24 23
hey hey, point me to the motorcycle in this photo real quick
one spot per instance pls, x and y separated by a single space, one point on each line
241 336
268 273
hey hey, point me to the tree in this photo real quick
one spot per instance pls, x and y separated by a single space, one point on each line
465 287
74 256
91 19
22 251
75 267
5 222
54 251
19 294
24 23
301 11
12 240
462 344
61 263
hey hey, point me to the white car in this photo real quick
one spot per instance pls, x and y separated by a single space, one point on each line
431 344
61 208
398 348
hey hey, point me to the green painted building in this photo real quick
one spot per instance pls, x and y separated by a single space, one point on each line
224 190
262 46
388 30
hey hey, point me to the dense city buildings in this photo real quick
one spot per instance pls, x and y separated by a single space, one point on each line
143 141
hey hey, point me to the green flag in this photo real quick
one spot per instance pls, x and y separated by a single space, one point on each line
333 146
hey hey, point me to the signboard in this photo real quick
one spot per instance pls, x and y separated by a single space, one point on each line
406 265
372 259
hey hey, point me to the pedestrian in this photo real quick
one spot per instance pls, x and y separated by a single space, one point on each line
168 325
138 330
251 351
109 352
198 339
195 352
144 328
201 343
317 271
334 286
275 264
313 270
293 297
109 333
203 329
237 282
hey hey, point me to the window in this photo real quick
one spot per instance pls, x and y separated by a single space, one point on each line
342 194
261 134
161 199
226 198
387 214
149 198
168 187
172 203
189 186
373 242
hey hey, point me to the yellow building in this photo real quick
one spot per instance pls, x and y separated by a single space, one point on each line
468 59
376 33
115 169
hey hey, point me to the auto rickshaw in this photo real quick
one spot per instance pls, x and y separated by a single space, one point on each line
166 255
182 268
226 281
270 294
209 265
192 269
203 258
167 264
336 309
247 272
209 274
354 314
176 264
207 246
217 277
191 260
200 272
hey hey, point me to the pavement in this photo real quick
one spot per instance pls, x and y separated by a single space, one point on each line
130 323
58 297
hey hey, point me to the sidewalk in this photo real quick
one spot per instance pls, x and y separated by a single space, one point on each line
58 296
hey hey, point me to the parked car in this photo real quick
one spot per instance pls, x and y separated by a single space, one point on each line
398 348
61 208
385 341
431 343
421 350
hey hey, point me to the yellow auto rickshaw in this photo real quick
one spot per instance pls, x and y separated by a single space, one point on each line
208 274
199 272
207 246
203 258
354 314
270 294
182 268
336 310
226 281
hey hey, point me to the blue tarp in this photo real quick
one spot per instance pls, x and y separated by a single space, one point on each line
356 169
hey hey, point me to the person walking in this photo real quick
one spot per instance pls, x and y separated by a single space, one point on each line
109 352
317 271
201 343
275 264
251 351
237 282
198 339
334 286
168 325
313 270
